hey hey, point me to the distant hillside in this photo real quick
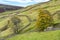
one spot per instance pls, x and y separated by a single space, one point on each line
4 7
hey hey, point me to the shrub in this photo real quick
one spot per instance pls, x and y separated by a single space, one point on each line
16 22
44 20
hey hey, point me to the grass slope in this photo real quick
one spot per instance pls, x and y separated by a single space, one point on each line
52 35
31 11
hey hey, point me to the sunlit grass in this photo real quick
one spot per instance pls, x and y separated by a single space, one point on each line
6 32
53 35
4 22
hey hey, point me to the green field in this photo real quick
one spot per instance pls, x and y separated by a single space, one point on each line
52 35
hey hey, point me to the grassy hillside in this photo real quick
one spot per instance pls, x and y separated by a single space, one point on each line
52 6
32 12
52 35
44 5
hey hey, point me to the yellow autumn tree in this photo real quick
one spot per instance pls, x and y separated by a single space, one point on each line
44 20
